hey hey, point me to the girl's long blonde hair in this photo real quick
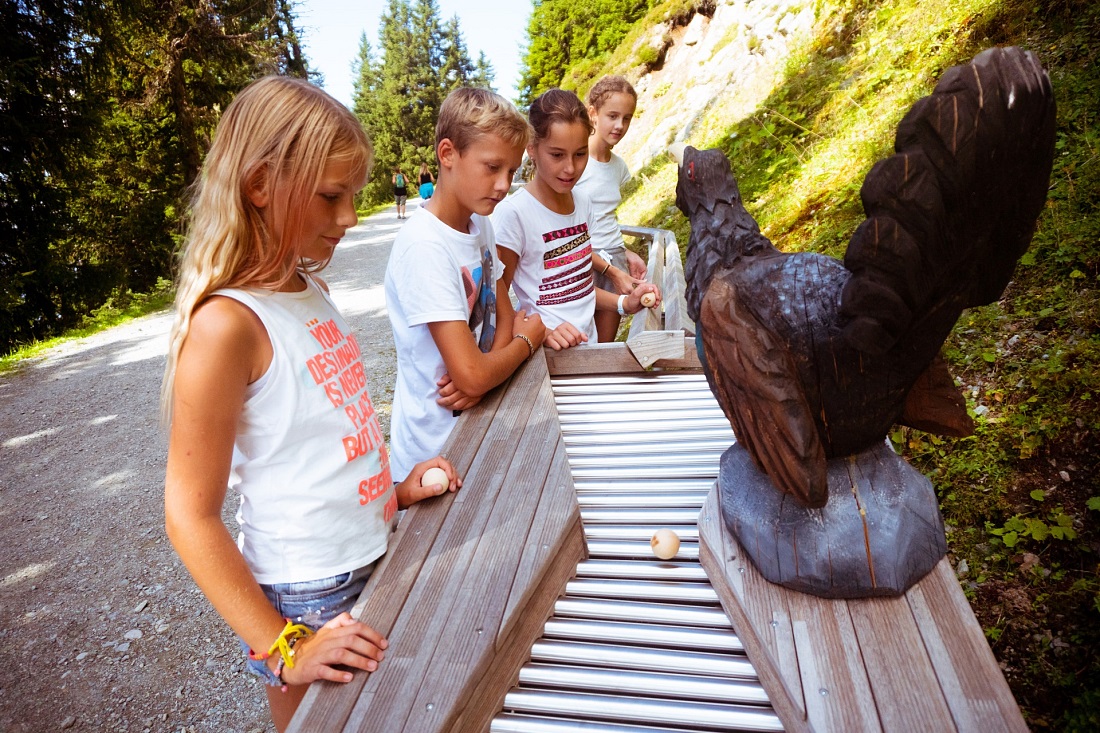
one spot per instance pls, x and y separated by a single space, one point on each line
277 136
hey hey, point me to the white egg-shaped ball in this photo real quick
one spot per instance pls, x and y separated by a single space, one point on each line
649 300
665 544
435 475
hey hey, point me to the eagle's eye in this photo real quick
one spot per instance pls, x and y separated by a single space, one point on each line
691 171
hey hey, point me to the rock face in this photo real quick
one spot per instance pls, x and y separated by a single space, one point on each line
732 58
880 532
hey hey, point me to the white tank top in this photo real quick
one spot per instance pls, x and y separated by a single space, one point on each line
309 461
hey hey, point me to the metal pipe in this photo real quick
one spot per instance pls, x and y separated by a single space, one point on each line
637 532
659 517
711 716
642 570
642 611
652 684
628 632
629 657
642 590
638 550
511 723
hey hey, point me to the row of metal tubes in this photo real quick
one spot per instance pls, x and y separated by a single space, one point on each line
701 715
641 611
565 386
683 499
643 634
671 438
636 380
603 473
637 532
607 613
698 460
673 442
649 683
522 723
695 397
611 549
642 570
651 590
620 656
643 485
640 425
642 420
660 517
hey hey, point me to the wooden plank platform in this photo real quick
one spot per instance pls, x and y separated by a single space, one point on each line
916 662
470 578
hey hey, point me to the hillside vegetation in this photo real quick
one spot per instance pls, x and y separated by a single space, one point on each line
1021 497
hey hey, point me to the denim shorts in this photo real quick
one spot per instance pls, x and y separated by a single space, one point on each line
312 603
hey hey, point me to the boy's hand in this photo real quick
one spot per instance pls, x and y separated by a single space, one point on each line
633 302
530 326
451 397
638 269
342 641
565 336
410 491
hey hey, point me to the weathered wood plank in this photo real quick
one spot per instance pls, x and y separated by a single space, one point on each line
975 689
918 662
467 648
748 599
649 347
419 629
613 358
907 695
412 594
673 290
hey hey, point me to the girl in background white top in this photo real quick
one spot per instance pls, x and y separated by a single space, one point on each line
265 391
611 104
542 231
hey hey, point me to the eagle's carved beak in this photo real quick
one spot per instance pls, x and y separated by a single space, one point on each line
676 150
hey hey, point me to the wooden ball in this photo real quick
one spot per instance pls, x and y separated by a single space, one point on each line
648 300
665 544
435 475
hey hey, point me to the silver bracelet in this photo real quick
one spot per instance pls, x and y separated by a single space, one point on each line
530 346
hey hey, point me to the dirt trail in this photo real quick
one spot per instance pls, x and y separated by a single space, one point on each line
103 628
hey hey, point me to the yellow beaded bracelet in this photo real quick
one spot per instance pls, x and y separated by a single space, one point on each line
290 635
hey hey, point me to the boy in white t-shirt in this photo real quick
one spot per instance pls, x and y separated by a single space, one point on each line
456 333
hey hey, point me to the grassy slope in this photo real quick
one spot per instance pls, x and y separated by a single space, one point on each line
1021 498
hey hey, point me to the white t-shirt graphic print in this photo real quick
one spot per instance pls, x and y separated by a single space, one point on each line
554 275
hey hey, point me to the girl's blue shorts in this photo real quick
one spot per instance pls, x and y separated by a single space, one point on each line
311 602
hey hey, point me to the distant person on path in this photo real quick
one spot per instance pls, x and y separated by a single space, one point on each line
611 104
427 182
455 331
543 231
265 392
400 191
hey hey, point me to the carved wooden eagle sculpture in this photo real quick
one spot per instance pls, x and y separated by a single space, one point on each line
812 358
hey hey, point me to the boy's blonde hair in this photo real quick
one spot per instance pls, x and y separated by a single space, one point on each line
277 136
607 86
467 114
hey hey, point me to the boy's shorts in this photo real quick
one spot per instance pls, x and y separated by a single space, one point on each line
311 602
399 199
618 259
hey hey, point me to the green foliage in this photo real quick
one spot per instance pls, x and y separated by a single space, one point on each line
398 93
1019 496
563 34
107 111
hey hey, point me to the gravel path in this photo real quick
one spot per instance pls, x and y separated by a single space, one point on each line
103 627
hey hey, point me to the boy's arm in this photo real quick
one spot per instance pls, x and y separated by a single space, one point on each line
632 303
473 372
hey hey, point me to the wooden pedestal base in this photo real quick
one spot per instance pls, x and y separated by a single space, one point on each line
880 532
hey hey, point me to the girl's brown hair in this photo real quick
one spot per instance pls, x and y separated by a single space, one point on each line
557 105
607 86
